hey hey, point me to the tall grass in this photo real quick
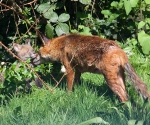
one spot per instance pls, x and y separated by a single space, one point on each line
89 100
60 108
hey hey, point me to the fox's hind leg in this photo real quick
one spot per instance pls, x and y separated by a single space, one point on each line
116 81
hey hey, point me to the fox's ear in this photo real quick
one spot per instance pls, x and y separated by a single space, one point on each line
28 41
16 47
46 40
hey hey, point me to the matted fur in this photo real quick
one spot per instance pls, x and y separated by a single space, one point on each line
26 52
79 53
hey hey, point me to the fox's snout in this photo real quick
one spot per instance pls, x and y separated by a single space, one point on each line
36 59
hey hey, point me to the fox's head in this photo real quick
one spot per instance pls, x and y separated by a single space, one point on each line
43 54
25 51
51 50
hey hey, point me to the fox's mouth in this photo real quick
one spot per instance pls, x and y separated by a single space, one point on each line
37 59
40 59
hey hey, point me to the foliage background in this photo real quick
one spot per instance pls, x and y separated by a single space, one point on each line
126 21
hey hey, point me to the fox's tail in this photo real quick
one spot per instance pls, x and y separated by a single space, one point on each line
139 85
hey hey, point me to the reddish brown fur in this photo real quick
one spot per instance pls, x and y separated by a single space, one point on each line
90 54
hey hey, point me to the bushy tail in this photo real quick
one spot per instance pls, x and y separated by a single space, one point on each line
139 85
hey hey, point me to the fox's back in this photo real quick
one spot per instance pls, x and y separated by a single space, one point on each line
86 50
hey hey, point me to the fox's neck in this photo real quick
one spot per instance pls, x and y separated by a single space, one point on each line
56 47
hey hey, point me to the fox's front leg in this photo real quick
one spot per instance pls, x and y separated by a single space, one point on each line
69 71
70 78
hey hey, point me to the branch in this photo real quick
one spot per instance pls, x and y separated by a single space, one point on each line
58 82
34 1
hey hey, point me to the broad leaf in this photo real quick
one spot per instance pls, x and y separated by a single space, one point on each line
147 1
62 28
113 17
114 4
49 29
63 17
141 24
42 8
144 40
106 12
148 20
47 14
127 6
53 17
134 3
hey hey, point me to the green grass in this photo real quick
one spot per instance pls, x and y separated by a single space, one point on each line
91 99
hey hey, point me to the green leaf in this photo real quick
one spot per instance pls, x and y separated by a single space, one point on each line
86 31
106 12
128 49
113 17
63 17
47 14
85 1
114 4
134 3
134 41
49 29
42 8
52 16
144 40
94 120
120 4
147 1
81 26
148 20
127 6
62 28
141 24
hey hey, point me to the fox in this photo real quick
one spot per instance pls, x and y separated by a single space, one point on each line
26 52
83 53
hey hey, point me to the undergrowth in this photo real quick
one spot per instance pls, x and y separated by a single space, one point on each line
91 99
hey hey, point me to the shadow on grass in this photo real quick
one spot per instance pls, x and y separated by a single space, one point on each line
100 86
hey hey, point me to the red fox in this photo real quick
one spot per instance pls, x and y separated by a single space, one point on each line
79 54
26 52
